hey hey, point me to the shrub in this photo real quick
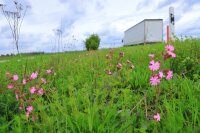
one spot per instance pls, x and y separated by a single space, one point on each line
92 42
187 63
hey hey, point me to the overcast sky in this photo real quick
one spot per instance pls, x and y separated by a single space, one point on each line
80 18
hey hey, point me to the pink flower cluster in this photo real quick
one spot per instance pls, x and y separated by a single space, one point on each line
34 90
27 96
49 71
169 52
130 64
158 73
155 66
29 110
119 65
34 75
156 78
121 54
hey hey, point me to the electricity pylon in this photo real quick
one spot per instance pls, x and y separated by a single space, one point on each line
15 19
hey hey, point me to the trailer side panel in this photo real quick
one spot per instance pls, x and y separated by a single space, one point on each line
134 35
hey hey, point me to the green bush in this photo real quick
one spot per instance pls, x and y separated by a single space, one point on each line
92 42
187 63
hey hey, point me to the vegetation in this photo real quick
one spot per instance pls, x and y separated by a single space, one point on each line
88 92
92 42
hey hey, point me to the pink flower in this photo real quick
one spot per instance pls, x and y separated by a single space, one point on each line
154 80
32 90
161 75
173 55
169 48
10 86
132 66
169 75
20 108
40 91
17 97
27 114
15 77
7 73
24 81
121 54
109 72
43 81
49 71
154 65
157 117
34 75
119 65
107 56
29 109
151 55
111 51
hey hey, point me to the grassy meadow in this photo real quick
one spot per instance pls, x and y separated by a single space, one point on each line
80 96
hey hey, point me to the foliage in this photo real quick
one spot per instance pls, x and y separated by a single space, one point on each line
187 62
81 96
92 42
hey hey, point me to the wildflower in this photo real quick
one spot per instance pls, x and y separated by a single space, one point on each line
10 86
119 65
15 77
154 65
40 91
121 54
27 114
34 75
43 81
7 73
29 109
109 72
107 56
169 48
154 80
169 75
173 55
32 90
161 75
132 66
20 108
128 61
49 71
17 97
151 55
24 81
157 117
111 51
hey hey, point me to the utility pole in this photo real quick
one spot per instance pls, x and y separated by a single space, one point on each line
171 23
15 20
59 36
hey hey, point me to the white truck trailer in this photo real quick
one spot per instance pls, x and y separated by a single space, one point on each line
147 31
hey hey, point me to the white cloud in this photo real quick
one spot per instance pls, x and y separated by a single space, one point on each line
108 18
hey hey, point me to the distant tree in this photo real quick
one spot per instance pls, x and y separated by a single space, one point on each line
92 42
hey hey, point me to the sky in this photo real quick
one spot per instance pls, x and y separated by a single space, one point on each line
77 19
